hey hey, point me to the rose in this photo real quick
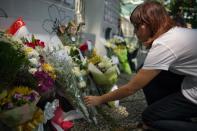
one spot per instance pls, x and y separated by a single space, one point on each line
83 47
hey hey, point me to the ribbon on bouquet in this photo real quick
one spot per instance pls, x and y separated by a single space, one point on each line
54 113
58 121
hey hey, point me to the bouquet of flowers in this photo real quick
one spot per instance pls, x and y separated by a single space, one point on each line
122 54
13 68
80 66
67 81
42 71
32 48
105 75
104 72
69 34
117 46
18 106
12 58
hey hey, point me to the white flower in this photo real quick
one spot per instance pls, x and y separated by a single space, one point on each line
33 54
73 38
83 72
14 38
108 44
115 60
76 71
34 62
85 61
50 48
32 70
101 65
108 65
82 84
30 52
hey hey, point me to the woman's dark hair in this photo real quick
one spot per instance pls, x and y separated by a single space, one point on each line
153 15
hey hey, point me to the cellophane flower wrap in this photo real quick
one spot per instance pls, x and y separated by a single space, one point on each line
104 72
18 106
121 53
105 75
67 82
118 46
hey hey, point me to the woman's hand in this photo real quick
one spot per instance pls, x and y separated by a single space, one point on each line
93 100
142 78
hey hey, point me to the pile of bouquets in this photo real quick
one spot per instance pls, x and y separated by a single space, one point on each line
68 83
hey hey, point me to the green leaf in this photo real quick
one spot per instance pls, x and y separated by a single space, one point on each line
12 59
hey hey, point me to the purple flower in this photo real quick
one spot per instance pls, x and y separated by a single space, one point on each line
27 98
8 106
31 97
45 82
17 96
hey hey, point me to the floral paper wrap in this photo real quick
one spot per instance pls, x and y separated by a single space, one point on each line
122 56
18 115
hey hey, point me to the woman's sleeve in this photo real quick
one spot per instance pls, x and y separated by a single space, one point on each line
160 56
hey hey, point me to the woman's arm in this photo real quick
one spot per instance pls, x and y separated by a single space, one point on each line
142 78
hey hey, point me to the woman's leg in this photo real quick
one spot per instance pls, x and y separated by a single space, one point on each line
169 112
164 84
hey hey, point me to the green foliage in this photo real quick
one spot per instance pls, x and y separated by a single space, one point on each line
184 8
25 78
12 59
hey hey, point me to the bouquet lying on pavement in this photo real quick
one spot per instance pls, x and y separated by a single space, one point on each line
105 75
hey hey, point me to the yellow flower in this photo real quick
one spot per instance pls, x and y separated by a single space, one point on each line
4 100
20 89
49 69
28 50
3 94
94 58
52 75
